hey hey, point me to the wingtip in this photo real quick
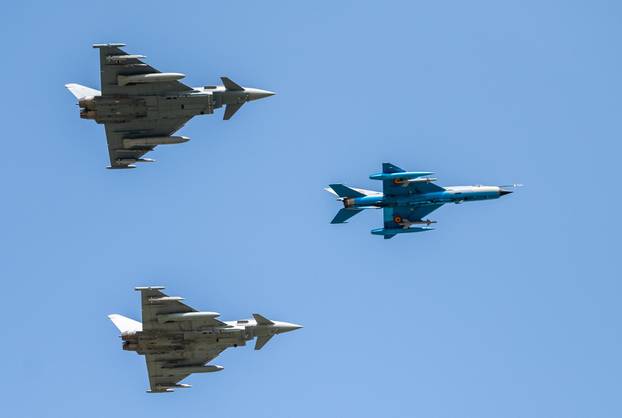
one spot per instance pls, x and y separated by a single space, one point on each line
141 288
108 45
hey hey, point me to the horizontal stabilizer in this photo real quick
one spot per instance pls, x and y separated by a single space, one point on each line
125 325
343 215
345 191
364 191
82 91
262 320
261 341
231 85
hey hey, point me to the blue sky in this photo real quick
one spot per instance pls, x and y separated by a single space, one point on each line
509 308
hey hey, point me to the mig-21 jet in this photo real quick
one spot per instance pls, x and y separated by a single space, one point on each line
406 197
178 341
142 107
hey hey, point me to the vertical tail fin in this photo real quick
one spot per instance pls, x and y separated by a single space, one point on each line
125 325
345 191
82 91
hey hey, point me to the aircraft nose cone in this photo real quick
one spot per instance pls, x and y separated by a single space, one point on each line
504 192
256 94
287 327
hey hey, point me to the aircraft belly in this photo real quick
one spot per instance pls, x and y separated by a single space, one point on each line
414 203
199 331
216 337
165 344
106 109
184 106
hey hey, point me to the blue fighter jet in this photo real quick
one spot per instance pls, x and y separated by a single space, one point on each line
407 197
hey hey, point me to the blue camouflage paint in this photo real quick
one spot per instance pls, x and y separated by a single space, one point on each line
407 197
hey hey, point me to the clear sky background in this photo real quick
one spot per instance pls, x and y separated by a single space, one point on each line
510 308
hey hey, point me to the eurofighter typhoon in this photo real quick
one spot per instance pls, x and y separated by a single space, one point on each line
178 341
142 107
407 196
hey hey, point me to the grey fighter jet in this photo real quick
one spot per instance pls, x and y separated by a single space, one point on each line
142 107
177 340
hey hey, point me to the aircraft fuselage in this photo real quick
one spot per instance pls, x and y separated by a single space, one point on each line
455 194
234 334
200 101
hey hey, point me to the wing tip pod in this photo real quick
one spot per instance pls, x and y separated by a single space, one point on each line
140 288
120 167
109 45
